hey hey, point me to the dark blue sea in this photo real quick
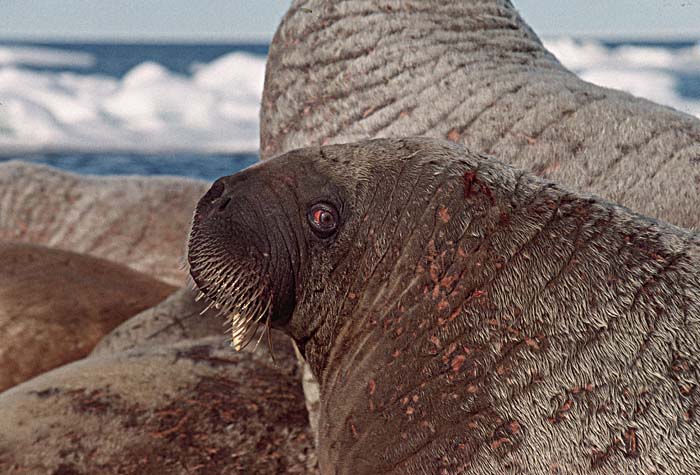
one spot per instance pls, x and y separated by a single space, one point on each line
192 109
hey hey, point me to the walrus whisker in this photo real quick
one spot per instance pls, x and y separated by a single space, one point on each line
240 341
262 333
207 308
242 323
244 329
232 283
245 341
268 330
249 316
242 290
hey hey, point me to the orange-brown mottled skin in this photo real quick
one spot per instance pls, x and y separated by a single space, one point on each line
470 318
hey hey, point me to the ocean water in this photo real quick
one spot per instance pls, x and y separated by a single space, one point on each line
192 109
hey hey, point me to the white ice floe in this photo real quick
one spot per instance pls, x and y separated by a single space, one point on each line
42 56
649 72
150 109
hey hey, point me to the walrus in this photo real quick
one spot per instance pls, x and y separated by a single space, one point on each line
162 393
190 408
473 72
139 222
462 316
56 305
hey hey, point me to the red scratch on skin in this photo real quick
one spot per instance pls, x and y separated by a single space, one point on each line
454 315
372 386
478 293
532 343
457 362
470 180
446 355
498 442
444 214
473 185
447 281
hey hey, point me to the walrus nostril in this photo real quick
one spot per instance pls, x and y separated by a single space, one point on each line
216 190
209 201
224 203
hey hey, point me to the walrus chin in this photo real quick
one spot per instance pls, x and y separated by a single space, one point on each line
237 291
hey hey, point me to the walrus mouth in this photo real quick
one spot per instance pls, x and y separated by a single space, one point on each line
238 292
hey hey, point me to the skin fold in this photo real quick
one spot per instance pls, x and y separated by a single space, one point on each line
472 71
465 316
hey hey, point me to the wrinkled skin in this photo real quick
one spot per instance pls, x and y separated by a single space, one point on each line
139 222
472 71
466 317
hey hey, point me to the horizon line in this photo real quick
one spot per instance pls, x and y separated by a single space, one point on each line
265 39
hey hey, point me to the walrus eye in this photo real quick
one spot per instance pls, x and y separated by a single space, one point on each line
323 218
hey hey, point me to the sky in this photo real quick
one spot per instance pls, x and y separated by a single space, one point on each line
226 20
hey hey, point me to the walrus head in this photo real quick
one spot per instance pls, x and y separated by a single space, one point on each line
248 241
259 236
293 242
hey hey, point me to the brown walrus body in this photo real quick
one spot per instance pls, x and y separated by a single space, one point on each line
190 408
462 316
162 394
55 305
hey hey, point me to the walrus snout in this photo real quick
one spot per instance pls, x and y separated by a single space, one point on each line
238 253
